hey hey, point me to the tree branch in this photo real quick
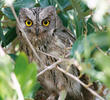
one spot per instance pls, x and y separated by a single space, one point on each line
17 86
23 33
75 78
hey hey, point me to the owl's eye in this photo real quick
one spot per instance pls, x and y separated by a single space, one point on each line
28 22
45 22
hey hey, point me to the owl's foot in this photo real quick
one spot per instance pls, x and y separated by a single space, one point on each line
89 85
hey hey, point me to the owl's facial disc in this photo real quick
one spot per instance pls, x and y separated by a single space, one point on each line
43 27
37 31
47 21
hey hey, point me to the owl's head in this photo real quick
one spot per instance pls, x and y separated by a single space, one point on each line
39 20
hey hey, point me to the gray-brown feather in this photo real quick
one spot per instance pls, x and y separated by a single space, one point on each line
53 40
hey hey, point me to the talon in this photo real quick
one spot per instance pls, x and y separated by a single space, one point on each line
80 76
90 84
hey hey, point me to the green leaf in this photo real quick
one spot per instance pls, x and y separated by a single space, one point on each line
88 44
2 37
79 25
9 36
90 26
7 11
1 98
6 67
64 19
80 8
104 63
77 46
26 74
28 99
13 56
63 3
24 3
17 5
44 3
1 3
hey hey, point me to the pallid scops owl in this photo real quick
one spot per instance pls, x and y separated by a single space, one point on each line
46 33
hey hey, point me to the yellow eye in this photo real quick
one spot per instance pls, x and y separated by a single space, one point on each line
46 22
28 22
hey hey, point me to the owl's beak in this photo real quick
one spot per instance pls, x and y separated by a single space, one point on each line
37 31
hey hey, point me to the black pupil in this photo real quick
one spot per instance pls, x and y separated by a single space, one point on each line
45 22
29 22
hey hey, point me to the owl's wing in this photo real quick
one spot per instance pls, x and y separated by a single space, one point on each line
69 33
65 36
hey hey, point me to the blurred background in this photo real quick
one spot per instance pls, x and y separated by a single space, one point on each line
89 21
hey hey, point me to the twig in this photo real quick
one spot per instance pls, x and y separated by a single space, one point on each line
17 87
70 75
4 21
65 9
74 62
50 67
23 33
48 54
101 50
75 78
14 80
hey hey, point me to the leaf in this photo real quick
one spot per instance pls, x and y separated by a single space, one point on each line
24 3
2 37
44 3
17 5
6 67
89 43
78 46
71 27
90 26
81 10
26 74
9 36
63 3
7 11
13 56
104 63
79 25
28 99
1 3
64 19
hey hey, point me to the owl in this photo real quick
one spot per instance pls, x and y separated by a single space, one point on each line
47 34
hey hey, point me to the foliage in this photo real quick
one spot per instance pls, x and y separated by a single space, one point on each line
88 22
25 73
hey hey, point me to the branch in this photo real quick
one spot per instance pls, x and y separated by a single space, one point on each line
17 87
70 75
48 54
65 9
104 53
4 21
50 67
14 79
24 34
75 78
72 61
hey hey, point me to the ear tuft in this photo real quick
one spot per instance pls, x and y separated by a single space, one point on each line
23 11
50 9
